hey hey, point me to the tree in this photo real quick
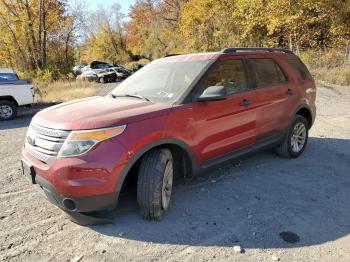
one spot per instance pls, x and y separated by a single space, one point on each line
152 30
104 37
29 27
208 25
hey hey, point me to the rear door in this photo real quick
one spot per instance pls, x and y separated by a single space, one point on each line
274 95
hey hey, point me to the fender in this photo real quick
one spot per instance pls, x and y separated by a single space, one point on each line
194 168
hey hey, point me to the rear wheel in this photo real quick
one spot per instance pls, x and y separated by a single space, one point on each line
8 110
294 143
154 185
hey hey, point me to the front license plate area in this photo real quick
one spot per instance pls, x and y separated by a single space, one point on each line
28 172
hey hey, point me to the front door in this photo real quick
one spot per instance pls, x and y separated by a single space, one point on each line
227 125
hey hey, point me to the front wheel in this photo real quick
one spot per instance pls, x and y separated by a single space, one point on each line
154 185
295 141
8 110
102 80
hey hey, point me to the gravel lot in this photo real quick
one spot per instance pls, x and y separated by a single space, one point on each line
248 204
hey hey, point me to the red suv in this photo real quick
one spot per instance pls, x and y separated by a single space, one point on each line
178 115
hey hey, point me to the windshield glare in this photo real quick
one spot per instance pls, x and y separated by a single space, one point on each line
161 81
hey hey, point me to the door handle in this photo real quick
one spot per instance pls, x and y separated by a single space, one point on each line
289 92
245 102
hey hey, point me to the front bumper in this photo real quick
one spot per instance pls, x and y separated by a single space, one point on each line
76 204
84 184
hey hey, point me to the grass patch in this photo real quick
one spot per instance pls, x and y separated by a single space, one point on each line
61 91
331 66
336 76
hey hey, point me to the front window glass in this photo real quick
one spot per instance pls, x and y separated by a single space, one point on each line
228 73
161 81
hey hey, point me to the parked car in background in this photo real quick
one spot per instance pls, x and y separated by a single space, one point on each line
96 66
231 103
14 93
77 70
122 73
84 69
88 75
100 65
137 67
106 76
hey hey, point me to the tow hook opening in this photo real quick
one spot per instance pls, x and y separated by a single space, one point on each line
69 204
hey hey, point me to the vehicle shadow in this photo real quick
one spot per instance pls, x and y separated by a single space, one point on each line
19 122
251 201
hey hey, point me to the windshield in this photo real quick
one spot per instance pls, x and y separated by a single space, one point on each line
161 81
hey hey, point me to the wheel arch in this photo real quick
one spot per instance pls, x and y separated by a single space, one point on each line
9 98
305 111
184 159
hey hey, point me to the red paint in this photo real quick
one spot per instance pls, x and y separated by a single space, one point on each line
209 129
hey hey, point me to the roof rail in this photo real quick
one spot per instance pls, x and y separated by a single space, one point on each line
171 55
247 49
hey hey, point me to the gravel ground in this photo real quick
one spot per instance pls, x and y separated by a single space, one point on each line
246 204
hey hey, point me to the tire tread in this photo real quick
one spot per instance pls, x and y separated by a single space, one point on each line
150 181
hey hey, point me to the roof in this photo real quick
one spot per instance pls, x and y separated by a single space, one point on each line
255 49
191 57
226 51
6 71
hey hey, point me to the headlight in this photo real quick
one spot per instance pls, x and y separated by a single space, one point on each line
80 142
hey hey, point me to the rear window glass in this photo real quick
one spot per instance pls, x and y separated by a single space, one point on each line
299 68
266 72
8 77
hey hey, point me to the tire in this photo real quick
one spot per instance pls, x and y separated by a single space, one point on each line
154 184
8 110
102 80
289 149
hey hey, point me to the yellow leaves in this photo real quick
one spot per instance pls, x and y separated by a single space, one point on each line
33 32
157 28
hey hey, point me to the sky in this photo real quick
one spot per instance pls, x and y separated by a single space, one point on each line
125 4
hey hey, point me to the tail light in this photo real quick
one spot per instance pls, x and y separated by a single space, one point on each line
29 81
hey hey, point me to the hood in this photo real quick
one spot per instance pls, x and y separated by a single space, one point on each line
98 112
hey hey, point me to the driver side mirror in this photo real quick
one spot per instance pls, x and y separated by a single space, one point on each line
213 93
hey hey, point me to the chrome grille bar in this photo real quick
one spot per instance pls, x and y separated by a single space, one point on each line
49 131
44 143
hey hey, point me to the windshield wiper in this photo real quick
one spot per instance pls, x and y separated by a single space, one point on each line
136 96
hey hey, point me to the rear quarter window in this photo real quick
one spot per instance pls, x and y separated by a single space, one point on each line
299 68
266 72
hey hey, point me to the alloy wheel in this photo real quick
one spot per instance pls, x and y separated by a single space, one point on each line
298 137
167 185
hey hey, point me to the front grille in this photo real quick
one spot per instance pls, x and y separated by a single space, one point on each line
44 143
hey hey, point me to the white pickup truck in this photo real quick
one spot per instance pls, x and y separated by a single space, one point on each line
14 93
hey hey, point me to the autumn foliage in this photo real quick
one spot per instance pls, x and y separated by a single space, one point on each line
39 35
